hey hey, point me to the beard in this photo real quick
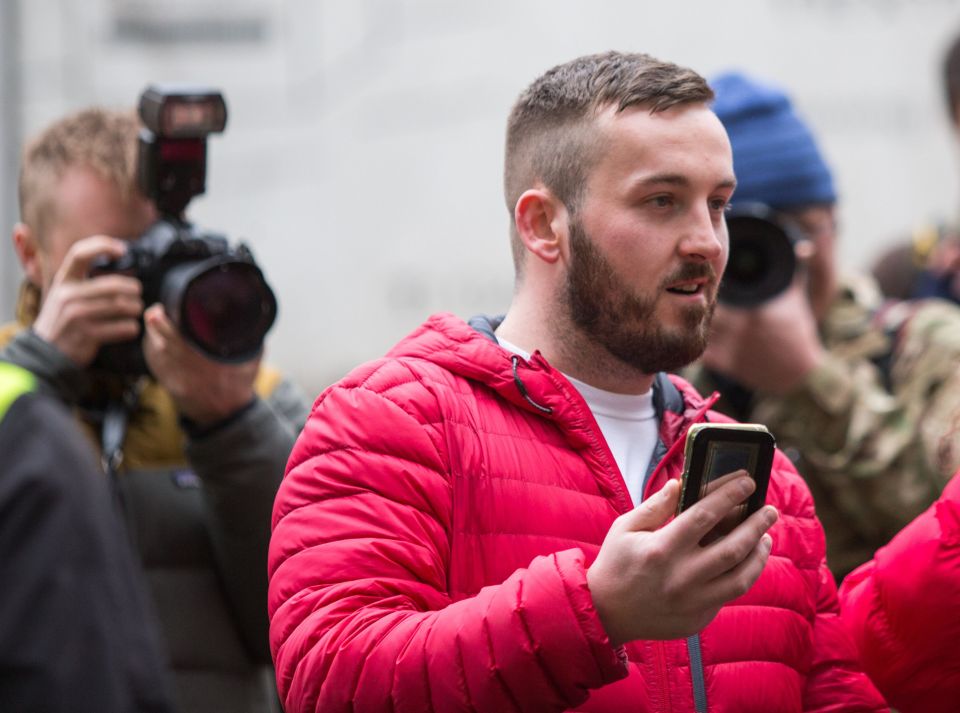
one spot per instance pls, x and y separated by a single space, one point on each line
624 322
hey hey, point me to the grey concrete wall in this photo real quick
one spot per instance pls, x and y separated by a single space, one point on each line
362 159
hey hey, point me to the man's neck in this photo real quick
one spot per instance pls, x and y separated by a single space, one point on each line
568 350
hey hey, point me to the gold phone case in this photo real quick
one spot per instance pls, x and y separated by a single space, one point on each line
715 449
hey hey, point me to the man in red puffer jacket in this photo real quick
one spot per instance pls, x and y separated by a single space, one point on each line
482 520
903 609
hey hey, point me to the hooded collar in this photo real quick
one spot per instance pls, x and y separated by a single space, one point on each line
471 350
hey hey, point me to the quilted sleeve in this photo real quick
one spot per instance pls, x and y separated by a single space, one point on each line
835 681
903 610
359 558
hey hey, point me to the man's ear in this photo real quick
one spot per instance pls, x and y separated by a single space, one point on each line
28 251
541 221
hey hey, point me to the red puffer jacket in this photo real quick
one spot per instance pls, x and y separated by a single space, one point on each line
903 609
431 540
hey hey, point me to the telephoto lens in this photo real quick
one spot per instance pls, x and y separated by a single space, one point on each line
221 305
763 256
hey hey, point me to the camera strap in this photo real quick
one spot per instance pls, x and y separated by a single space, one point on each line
116 418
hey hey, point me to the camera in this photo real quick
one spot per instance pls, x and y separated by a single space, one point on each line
763 257
212 291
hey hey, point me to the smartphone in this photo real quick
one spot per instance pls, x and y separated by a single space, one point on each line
716 449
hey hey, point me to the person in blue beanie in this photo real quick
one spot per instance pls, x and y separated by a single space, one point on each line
862 393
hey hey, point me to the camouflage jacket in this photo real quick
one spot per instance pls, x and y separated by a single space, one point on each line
876 429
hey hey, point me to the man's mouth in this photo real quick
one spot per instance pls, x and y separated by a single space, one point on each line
691 287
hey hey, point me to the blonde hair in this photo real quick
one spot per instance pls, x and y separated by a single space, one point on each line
103 140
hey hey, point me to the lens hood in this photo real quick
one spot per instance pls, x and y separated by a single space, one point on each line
762 259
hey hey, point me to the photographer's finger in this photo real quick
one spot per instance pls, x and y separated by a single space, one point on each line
101 308
112 283
80 256
158 321
727 553
701 517
155 345
122 294
114 330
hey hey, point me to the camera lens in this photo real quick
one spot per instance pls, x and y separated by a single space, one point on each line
762 259
222 306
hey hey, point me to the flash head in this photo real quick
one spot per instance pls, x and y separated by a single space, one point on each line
183 111
172 163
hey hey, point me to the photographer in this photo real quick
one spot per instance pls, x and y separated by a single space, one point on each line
197 447
864 395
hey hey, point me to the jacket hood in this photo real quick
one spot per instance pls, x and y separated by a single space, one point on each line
471 351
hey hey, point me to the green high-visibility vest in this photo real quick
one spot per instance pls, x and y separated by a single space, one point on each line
15 381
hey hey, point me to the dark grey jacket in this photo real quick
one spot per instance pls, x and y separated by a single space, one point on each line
202 530
76 632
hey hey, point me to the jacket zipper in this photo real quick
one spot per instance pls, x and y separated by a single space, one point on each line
623 502
696 674
693 642
694 652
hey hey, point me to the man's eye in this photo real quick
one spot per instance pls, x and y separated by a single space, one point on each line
662 201
720 205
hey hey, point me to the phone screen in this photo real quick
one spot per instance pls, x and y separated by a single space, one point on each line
725 457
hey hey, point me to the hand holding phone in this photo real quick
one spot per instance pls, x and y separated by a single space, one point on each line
653 578
715 450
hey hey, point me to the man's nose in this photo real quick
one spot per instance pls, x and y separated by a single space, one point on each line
704 235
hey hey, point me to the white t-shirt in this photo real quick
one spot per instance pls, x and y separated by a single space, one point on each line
628 423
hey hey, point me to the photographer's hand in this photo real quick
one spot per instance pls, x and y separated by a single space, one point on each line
203 390
80 313
769 349
650 583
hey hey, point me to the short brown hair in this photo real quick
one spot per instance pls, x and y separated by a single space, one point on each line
550 133
102 140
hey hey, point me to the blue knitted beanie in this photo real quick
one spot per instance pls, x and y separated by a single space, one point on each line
775 156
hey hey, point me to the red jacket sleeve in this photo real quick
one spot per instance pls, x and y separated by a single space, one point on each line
361 619
835 682
903 610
